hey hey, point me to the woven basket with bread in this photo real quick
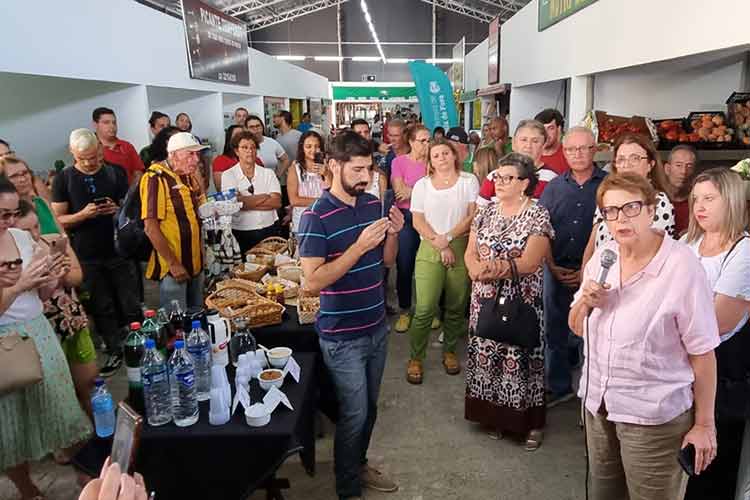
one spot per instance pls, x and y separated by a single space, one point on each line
307 308
238 299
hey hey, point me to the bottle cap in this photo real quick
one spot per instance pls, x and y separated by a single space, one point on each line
150 313
98 381
196 324
179 344
150 344
135 325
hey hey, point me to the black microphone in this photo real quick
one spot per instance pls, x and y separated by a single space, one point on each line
607 261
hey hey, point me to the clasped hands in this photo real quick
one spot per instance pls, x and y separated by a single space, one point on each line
489 270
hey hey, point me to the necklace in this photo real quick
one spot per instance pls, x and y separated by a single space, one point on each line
520 210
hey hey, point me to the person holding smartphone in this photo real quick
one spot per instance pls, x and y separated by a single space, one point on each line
308 176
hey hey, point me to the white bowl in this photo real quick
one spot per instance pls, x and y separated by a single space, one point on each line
267 384
257 415
278 356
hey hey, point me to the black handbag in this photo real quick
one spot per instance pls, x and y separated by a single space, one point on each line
733 367
508 319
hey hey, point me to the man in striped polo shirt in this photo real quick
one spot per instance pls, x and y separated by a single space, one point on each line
345 244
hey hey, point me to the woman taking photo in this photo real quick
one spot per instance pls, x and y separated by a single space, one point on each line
716 235
259 191
42 418
442 206
649 380
635 153
308 176
529 140
19 174
406 170
505 383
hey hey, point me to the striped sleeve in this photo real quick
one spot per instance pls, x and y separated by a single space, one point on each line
153 199
312 237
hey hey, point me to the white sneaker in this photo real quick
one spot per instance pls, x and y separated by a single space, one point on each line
440 337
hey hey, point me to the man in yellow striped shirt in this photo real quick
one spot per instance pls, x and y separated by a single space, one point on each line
170 196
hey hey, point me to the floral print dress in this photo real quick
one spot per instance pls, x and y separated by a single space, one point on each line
505 383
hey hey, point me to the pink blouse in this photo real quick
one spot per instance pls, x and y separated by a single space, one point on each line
641 337
409 171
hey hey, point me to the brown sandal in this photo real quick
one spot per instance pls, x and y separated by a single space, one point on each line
414 372
450 363
534 440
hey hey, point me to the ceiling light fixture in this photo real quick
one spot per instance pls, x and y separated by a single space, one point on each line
366 58
329 58
368 20
442 61
399 60
291 58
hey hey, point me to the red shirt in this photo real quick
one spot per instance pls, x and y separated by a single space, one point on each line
224 162
556 161
681 216
124 155
546 174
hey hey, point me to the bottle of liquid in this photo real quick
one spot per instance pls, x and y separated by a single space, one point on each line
199 347
155 386
103 408
242 340
219 330
279 291
166 332
150 328
133 353
182 386
176 319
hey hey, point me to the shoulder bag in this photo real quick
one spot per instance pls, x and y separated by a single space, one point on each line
508 319
20 366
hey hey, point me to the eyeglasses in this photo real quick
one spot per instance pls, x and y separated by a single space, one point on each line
505 179
578 149
633 159
8 215
632 209
10 265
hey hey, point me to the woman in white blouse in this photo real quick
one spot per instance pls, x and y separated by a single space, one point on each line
716 233
635 153
259 191
443 205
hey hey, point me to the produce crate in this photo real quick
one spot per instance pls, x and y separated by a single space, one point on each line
672 132
738 114
610 127
713 129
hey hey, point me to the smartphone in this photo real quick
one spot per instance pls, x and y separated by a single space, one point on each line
101 201
58 245
686 458
388 198
127 437
319 158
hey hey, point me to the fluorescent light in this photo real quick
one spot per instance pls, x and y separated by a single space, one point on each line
368 20
366 58
441 61
329 58
291 58
398 60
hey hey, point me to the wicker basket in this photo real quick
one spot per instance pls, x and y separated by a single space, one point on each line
291 289
262 257
274 244
307 308
290 272
235 299
243 273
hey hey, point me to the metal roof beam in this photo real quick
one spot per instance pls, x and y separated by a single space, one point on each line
291 14
242 8
461 8
507 9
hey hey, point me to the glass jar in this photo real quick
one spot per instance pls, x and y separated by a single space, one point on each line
242 340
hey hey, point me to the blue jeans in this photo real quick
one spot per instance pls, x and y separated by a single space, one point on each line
557 299
188 293
356 367
408 244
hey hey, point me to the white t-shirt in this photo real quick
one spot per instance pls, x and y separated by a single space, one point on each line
27 305
264 181
443 209
732 278
270 151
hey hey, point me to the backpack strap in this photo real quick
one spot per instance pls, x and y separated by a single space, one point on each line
726 257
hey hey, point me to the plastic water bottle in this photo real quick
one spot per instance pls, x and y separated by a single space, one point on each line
199 347
133 352
182 386
155 386
103 408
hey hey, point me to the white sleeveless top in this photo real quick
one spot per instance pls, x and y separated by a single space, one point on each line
27 305
309 187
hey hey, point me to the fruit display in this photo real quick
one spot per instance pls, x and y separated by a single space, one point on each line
711 126
673 131
610 127
738 115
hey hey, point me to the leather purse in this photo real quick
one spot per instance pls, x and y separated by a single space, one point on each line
508 319
20 366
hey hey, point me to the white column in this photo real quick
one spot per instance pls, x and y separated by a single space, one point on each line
580 98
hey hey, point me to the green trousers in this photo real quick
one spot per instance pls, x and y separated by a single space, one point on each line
432 278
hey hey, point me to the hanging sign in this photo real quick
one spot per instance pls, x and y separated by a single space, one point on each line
435 95
553 11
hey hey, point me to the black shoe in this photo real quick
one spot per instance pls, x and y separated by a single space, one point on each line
391 311
113 363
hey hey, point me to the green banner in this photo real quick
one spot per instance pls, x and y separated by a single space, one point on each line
374 93
552 11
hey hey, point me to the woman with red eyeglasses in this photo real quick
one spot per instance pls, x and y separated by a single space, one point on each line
42 418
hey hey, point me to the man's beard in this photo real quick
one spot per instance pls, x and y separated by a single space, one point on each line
354 190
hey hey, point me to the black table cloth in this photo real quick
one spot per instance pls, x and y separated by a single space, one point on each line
223 462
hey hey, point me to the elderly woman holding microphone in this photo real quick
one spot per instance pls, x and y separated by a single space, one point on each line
649 382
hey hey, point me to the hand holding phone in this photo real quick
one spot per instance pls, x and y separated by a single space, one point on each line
388 200
127 437
686 458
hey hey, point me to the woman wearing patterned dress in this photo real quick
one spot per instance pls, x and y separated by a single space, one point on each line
505 383
636 153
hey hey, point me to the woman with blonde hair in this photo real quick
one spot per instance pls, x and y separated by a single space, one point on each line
717 235
485 161
442 206
636 153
